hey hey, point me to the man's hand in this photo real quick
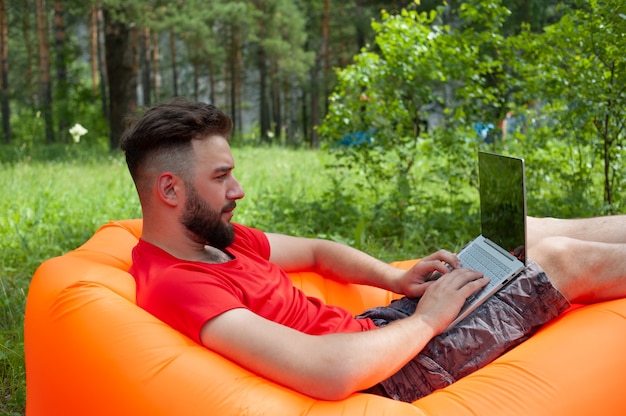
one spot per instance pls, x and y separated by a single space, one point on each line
414 282
444 297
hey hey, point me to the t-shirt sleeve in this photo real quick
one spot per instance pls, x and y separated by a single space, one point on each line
190 297
192 293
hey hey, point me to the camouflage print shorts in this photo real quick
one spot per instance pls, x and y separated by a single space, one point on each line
505 320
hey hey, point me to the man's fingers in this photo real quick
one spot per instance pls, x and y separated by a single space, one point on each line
446 257
460 278
472 281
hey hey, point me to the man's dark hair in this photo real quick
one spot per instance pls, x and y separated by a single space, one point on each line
168 129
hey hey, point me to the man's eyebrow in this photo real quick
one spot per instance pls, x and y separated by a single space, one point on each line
225 168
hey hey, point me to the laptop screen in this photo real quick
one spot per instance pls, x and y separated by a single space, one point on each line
503 202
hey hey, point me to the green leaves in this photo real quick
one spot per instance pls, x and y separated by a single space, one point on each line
433 76
584 68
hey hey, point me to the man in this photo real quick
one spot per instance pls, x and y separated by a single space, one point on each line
224 285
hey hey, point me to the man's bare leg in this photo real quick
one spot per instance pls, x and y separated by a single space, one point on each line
609 229
583 271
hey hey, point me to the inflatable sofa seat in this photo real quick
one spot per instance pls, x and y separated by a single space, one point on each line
90 350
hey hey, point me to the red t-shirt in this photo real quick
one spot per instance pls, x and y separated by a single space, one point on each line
186 294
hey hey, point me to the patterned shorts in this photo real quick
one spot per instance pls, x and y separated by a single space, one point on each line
505 320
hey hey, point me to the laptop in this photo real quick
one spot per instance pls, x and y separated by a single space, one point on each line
500 251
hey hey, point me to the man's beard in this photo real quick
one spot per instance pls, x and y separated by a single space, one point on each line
204 222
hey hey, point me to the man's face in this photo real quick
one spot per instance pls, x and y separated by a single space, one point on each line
211 194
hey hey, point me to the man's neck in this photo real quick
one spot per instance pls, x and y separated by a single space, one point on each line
216 256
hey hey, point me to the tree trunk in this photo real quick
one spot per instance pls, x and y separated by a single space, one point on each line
290 109
238 85
44 67
212 84
235 64
155 66
275 91
315 105
93 48
264 116
29 53
232 68
196 79
174 64
104 77
305 116
4 73
121 65
326 52
144 64
230 72
61 70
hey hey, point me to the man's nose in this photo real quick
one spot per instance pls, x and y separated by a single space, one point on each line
236 191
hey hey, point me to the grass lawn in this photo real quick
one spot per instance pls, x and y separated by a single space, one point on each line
50 207
53 203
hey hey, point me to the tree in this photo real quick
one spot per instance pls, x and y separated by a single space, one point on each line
44 70
61 68
26 33
565 89
5 108
94 48
145 64
377 107
174 61
281 59
121 66
99 79
581 74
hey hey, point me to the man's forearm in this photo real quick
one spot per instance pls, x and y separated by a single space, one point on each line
346 264
331 259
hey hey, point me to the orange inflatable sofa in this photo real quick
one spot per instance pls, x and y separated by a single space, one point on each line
90 350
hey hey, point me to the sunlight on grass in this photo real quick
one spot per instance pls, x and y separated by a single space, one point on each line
270 176
49 208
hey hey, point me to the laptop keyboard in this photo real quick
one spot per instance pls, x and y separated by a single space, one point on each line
478 259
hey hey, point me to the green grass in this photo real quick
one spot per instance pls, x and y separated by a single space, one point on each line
54 201
47 208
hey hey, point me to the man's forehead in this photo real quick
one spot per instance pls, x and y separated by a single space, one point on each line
214 150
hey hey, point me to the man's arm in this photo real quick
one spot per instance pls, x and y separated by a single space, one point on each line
333 366
344 263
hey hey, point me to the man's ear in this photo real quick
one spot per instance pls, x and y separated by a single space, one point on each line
168 188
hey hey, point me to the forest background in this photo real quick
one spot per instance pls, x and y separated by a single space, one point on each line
367 116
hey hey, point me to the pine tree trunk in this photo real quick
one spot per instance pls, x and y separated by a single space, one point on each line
29 53
196 80
4 73
229 72
121 65
277 117
144 64
102 68
235 74
44 67
315 109
155 65
326 52
93 48
174 64
264 114
61 70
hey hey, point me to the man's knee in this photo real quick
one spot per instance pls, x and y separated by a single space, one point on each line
551 251
566 263
558 257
